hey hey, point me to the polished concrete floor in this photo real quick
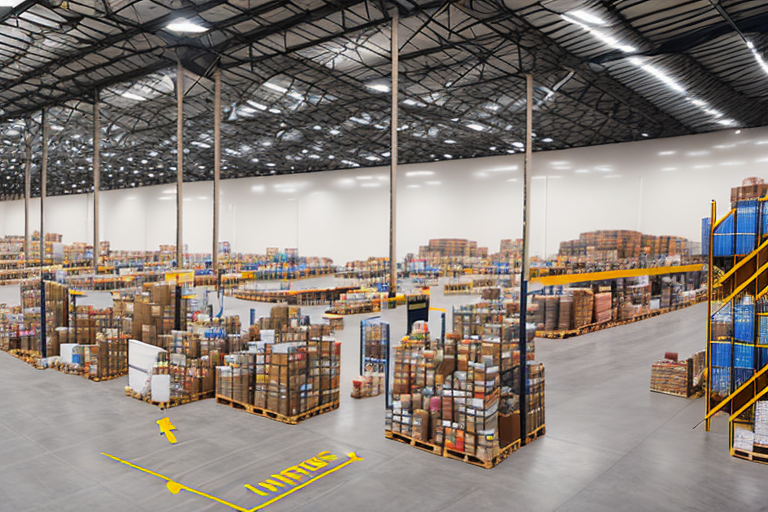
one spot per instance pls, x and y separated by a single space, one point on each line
610 443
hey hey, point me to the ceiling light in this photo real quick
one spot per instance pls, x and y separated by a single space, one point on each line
726 122
379 87
518 144
492 148
334 132
186 27
256 105
274 110
750 45
10 3
698 103
271 165
296 96
605 38
449 141
448 156
547 139
132 96
476 127
275 87
658 74
587 17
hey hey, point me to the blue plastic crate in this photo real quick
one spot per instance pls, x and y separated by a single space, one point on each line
705 229
744 356
721 381
723 238
721 354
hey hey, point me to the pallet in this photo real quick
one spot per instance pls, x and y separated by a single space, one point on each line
266 413
174 401
750 456
421 445
536 434
105 377
486 464
559 335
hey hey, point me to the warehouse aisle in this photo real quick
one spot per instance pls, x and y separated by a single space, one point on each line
610 444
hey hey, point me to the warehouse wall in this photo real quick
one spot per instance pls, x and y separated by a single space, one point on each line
662 187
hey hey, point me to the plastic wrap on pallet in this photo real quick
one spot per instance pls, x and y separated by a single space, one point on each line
740 376
721 381
744 328
721 354
706 223
743 356
746 226
723 239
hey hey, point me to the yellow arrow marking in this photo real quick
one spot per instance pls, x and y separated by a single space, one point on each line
176 487
167 428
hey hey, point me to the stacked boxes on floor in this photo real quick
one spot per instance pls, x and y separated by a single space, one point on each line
154 313
679 378
374 345
56 312
459 396
287 378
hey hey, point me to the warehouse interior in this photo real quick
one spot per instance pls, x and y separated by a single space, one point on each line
203 202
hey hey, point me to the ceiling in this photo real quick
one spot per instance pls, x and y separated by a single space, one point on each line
305 83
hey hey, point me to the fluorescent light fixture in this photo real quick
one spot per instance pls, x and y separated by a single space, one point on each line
449 141
200 144
334 132
275 87
492 148
476 127
547 139
448 156
379 87
274 110
358 120
185 27
372 158
518 144
726 122
750 45
587 17
699 103
256 105
10 3
296 96
644 134
132 96
271 165
602 36
656 72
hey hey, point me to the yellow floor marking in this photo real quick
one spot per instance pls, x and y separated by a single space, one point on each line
175 487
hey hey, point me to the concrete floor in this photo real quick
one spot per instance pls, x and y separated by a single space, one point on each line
610 444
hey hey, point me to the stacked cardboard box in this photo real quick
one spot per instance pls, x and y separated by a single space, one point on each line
603 307
672 377
458 394
751 188
583 301
289 378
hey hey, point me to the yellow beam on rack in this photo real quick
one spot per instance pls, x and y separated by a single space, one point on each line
743 261
738 390
743 286
614 274
757 397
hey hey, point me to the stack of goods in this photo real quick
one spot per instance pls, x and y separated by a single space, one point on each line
751 435
154 314
284 381
458 396
551 308
535 391
583 300
56 312
746 226
751 188
672 377
720 347
566 313
603 307
358 302
374 344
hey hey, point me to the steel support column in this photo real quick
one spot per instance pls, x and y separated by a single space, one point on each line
179 164
96 179
216 169
525 270
395 50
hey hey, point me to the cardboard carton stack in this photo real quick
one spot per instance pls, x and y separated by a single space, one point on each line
154 313
287 378
583 301
374 344
603 307
457 396
751 188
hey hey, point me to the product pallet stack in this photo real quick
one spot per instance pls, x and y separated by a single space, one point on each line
374 355
457 397
355 303
285 381
154 313
678 378
56 315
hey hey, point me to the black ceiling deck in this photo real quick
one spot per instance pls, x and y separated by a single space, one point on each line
304 83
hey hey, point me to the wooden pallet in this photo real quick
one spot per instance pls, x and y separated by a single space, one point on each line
266 413
167 405
103 378
536 434
487 464
750 456
421 445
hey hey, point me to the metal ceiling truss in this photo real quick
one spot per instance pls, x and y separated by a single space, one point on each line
305 82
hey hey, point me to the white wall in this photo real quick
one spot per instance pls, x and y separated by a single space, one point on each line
661 187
